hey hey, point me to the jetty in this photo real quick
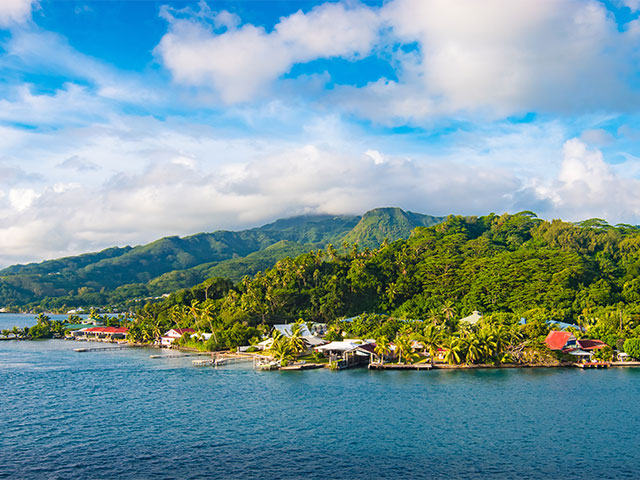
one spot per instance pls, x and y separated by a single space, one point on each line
179 355
99 349
400 366
304 366
587 365
209 362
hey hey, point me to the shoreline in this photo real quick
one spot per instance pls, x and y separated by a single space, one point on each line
377 366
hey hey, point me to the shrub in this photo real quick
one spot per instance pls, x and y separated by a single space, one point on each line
632 347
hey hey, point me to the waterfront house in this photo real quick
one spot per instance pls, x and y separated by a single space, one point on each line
589 345
174 334
360 355
101 333
310 340
334 349
557 340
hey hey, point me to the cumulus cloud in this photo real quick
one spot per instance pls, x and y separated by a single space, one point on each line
159 178
589 187
14 12
499 57
492 58
242 62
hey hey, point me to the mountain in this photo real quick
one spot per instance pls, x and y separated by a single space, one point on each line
120 274
387 223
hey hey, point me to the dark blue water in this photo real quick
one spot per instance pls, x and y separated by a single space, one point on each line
121 414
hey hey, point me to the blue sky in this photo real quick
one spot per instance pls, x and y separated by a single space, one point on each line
125 121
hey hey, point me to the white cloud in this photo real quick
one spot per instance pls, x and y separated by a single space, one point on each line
15 12
241 63
586 186
22 198
633 5
37 51
498 57
155 178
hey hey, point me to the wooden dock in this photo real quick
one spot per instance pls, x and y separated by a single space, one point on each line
99 349
179 355
304 366
400 366
625 364
587 365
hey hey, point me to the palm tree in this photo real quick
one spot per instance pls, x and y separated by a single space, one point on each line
434 316
432 339
448 310
280 350
295 341
475 349
403 347
455 351
382 348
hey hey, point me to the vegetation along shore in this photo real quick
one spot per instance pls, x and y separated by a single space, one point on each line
418 300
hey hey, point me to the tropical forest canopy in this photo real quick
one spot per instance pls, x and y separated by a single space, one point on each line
124 278
511 265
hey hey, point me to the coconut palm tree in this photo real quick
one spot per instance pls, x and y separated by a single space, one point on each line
382 348
403 347
455 351
448 310
432 339
280 350
434 316
295 341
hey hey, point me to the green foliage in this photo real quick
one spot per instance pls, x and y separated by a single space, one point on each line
603 354
632 347
130 277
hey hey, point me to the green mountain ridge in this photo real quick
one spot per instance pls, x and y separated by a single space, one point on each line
119 274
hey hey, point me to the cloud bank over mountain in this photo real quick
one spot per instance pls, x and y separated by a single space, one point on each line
219 116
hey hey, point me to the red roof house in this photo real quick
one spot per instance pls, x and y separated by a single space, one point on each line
591 344
557 340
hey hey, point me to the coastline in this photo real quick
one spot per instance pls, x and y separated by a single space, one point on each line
387 366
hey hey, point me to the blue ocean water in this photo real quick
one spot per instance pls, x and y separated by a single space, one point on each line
121 414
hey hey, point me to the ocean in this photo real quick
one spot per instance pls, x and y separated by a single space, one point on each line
121 414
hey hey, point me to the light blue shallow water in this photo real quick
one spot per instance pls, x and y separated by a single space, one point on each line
120 414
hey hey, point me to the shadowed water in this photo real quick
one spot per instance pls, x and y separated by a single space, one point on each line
121 414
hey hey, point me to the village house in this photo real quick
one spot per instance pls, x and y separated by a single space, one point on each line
566 342
174 334
101 333
560 341
310 340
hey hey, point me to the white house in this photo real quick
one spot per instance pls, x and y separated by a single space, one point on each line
172 335
473 318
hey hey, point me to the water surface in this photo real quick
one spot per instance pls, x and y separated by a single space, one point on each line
119 413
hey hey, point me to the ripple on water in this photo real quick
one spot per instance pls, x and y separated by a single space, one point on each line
120 414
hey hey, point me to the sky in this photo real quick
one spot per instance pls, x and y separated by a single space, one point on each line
125 121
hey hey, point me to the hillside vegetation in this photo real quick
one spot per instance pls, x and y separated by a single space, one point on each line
124 277
511 264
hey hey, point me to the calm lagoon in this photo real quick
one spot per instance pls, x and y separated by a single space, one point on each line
121 414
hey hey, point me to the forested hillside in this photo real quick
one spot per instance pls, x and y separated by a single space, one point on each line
122 276
512 264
